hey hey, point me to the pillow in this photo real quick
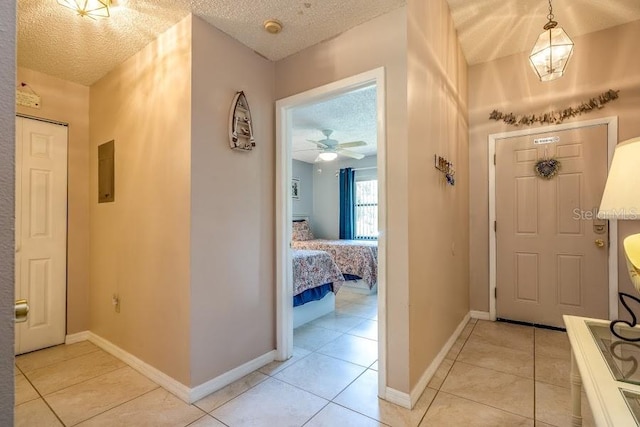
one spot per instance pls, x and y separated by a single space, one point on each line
301 231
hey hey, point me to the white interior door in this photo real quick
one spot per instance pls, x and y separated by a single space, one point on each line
41 232
552 255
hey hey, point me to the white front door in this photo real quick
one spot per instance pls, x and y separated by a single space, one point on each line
41 232
552 253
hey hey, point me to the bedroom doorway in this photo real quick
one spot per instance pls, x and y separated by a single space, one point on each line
322 159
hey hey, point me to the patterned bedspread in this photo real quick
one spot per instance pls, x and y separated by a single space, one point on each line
356 257
314 268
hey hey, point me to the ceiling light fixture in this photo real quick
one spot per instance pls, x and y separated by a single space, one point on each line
328 156
91 8
552 51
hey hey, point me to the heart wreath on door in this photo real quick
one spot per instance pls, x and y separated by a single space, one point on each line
547 168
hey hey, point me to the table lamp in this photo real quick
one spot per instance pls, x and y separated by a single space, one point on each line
621 200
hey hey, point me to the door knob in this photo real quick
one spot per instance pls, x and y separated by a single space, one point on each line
22 310
599 243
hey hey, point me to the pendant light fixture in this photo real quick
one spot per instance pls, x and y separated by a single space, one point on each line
552 51
91 8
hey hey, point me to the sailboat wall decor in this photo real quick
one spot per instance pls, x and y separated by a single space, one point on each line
240 125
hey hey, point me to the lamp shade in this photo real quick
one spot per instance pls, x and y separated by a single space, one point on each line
551 53
621 197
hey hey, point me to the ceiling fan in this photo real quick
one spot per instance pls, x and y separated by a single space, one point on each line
330 148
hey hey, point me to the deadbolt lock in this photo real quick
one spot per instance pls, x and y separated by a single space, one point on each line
22 310
599 243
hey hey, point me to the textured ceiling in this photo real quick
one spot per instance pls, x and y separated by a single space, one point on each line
53 40
352 117
490 29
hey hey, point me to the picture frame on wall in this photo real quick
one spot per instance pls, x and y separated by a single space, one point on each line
295 188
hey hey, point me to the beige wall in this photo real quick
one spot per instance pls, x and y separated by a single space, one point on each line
232 208
603 60
380 42
438 213
68 102
7 162
140 243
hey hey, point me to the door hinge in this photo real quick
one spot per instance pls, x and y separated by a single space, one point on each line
495 226
495 293
494 159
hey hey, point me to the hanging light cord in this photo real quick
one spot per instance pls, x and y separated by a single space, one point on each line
551 24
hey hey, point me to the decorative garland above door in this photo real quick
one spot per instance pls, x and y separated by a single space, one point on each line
556 117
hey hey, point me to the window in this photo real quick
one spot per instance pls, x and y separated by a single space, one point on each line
366 215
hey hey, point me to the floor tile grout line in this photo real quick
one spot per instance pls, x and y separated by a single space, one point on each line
124 403
317 412
97 376
234 397
486 404
495 370
359 413
205 415
59 361
43 400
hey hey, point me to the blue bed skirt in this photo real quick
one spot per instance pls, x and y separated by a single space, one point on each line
313 294
317 293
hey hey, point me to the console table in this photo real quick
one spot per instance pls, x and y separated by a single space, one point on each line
608 369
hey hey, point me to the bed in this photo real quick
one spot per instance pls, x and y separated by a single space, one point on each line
315 274
316 280
356 259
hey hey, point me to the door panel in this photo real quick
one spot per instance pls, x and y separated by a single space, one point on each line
547 261
41 232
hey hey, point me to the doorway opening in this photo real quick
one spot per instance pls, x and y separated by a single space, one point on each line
344 154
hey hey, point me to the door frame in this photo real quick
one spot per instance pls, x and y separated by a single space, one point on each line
612 141
284 215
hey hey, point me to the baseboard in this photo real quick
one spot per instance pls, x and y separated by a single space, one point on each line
480 315
398 397
175 387
227 378
435 364
77 337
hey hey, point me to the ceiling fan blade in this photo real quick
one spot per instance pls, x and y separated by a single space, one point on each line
306 149
319 143
352 144
350 153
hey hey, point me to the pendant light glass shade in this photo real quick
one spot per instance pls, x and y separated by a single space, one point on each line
91 8
552 51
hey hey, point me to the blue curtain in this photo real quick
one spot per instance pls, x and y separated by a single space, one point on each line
347 203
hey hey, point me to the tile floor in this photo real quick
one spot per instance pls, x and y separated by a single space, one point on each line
496 374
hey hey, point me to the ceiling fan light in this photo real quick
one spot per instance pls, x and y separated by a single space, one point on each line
91 8
328 156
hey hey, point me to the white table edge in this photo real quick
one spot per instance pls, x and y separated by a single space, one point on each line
603 391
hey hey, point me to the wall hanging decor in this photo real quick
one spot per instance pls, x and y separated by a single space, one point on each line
240 125
556 117
27 97
547 168
446 167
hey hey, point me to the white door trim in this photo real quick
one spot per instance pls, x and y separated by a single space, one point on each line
612 140
284 292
